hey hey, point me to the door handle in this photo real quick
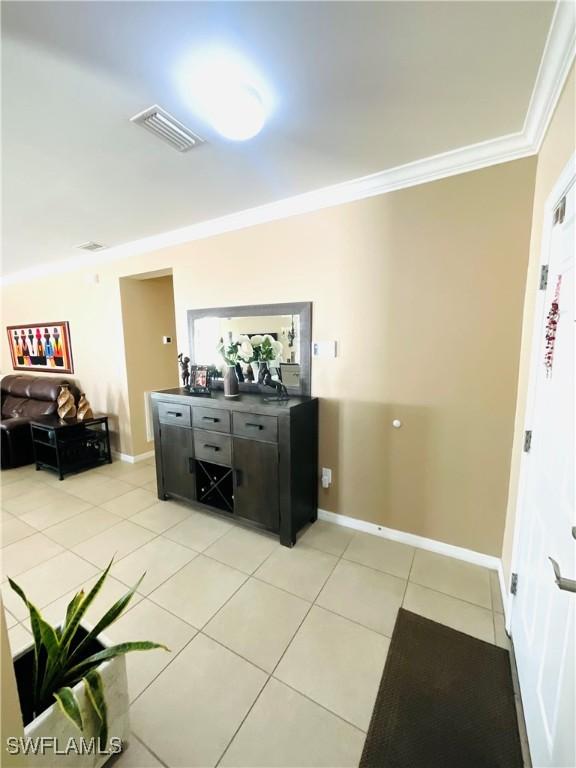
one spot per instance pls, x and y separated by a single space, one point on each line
191 464
569 585
238 473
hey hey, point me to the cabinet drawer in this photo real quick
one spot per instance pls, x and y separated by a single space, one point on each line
211 418
174 413
213 446
256 427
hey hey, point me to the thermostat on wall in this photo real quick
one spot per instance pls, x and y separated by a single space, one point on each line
166 339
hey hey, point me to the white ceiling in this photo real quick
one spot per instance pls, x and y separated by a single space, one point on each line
360 87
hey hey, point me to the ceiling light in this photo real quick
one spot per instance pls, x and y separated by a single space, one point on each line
237 112
227 92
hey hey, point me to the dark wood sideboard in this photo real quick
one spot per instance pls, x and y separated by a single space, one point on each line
246 458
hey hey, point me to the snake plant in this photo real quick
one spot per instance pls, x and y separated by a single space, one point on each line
63 657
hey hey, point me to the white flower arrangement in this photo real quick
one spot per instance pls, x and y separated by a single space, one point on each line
229 351
269 349
247 350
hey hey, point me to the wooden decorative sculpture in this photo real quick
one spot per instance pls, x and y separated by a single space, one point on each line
84 409
66 406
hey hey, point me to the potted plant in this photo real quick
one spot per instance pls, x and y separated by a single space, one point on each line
72 681
265 349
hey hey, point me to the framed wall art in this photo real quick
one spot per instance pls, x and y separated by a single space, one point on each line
41 347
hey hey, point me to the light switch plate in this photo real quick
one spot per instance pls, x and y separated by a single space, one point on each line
324 349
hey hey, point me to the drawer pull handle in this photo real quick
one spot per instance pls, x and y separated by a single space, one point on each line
212 447
256 426
210 418
173 413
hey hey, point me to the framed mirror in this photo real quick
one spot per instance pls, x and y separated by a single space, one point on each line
285 327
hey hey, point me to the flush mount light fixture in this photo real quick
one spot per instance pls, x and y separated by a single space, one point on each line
226 91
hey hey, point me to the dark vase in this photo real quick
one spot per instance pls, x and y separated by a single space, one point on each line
231 388
249 373
262 371
239 372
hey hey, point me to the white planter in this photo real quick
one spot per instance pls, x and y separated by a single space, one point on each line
53 724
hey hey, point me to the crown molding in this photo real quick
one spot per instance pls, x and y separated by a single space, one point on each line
555 64
557 58
471 158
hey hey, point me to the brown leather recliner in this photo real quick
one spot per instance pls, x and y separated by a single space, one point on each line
26 397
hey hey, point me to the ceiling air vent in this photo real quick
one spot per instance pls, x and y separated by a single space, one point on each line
158 121
91 246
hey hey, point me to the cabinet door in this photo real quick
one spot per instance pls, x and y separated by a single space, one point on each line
177 448
256 482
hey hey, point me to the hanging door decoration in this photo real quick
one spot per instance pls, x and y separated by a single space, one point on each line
552 328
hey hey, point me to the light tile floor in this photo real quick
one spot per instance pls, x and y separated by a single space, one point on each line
276 654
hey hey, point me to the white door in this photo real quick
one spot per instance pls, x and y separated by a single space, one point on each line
542 623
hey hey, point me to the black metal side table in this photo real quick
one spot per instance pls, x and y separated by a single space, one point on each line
71 445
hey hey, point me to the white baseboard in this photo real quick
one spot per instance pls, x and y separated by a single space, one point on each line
505 595
132 459
459 553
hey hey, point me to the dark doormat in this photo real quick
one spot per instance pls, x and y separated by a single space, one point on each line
445 701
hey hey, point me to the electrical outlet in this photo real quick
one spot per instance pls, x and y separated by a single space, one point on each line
326 477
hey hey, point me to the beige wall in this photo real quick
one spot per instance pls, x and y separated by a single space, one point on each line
422 289
93 310
147 316
558 147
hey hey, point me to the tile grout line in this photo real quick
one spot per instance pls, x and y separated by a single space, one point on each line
124 520
253 575
270 675
249 710
408 578
128 586
163 533
322 706
197 630
172 660
101 568
312 604
146 597
494 627
95 565
454 597
248 576
73 516
139 739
